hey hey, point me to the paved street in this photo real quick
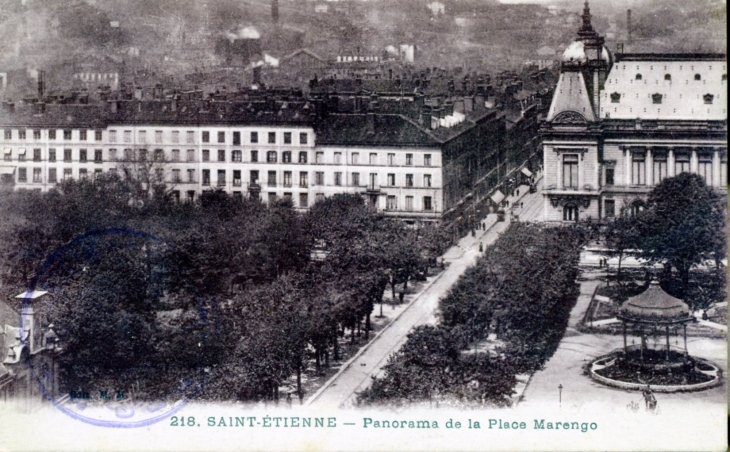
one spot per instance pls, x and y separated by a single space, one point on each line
356 374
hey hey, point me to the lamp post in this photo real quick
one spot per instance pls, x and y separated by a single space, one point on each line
560 395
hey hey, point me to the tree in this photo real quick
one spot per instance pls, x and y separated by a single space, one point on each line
104 315
683 225
620 235
706 289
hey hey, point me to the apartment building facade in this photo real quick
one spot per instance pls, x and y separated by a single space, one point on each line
266 153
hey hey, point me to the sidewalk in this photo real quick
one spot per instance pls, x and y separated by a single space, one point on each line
356 374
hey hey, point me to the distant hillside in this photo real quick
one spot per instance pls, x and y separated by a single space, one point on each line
179 36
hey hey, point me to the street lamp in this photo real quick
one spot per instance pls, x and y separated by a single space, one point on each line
560 394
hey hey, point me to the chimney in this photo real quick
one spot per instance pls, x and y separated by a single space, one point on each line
459 105
41 85
138 93
40 108
468 104
173 104
436 115
426 116
257 75
448 109
479 101
628 26
275 10
371 122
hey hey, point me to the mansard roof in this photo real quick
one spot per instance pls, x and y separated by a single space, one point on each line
159 113
666 87
386 130
571 98
670 57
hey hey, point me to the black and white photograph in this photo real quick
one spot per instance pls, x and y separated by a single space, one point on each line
363 225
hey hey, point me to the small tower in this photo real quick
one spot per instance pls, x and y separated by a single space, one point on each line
31 330
599 58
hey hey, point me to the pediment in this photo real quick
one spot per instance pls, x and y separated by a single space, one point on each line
570 117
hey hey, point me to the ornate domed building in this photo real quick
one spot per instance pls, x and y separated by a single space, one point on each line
620 124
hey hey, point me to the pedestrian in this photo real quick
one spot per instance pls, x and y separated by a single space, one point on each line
649 398
484 226
521 204
288 400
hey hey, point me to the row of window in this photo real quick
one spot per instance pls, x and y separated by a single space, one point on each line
659 170
668 77
320 179
205 136
638 169
221 137
53 175
657 98
84 155
651 67
338 178
391 202
22 134
220 156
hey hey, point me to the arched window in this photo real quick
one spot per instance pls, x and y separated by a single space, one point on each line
668 77
638 77
570 212
636 207
698 77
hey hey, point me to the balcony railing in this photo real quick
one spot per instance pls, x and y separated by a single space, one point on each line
236 182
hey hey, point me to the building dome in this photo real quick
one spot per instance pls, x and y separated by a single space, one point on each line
575 53
606 56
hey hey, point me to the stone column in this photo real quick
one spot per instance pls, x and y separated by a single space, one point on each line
559 173
716 168
693 162
629 164
580 171
670 162
649 161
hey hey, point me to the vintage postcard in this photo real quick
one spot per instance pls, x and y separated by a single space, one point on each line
363 225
